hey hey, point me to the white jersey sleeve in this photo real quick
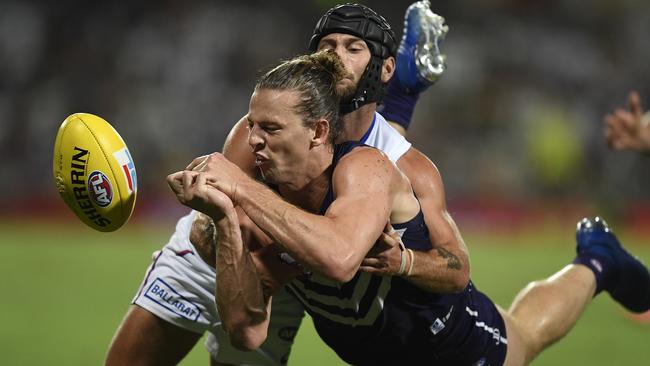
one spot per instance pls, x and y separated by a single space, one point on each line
385 138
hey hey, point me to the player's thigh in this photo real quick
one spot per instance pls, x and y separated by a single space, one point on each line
516 353
145 339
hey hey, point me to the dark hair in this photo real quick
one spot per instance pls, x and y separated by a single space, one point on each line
315 77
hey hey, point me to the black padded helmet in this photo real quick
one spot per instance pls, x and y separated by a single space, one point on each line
360 21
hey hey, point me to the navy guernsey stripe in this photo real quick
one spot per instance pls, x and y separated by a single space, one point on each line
360 312
382 320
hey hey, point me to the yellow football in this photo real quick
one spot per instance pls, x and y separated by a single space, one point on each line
94 172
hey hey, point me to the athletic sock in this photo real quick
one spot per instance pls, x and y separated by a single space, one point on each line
398 103
600 265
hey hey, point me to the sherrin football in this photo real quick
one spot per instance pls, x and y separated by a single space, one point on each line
94 172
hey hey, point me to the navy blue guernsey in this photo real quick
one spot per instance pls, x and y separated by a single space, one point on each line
384 320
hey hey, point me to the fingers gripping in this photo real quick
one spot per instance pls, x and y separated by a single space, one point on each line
388 256
196 162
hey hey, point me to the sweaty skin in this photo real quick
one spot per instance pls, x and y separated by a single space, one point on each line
369 192
444 269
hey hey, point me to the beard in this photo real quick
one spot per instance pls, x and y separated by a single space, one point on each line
346 91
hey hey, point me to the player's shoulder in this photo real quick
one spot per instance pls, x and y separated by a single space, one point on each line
424 176
236 148
414 159
364 162
238 132
363 154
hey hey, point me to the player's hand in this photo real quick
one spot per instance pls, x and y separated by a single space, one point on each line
628 130
192 189
220 172
385 257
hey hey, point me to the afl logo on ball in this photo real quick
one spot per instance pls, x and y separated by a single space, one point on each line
100 189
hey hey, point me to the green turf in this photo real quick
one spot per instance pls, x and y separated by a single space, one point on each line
66 288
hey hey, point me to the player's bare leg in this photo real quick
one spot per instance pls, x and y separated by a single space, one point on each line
145 339
546 310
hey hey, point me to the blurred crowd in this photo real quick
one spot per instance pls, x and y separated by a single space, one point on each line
517 116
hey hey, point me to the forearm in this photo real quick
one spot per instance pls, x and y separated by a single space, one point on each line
438 270
446 267
243 308
310 239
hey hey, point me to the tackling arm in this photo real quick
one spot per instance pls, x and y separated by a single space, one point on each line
445 268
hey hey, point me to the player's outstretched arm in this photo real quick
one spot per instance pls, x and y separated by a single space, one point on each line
628 130
446 267
243 306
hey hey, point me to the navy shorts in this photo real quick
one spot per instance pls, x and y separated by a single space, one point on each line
455 329
474 334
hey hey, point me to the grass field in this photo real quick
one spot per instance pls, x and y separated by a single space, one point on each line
65 289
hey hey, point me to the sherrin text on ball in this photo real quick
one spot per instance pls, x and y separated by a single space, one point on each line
94 172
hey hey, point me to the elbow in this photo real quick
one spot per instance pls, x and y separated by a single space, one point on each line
337 263
340 269
341 275
460 281
245 338
243 331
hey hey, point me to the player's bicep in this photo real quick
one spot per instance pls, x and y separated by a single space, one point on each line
363 202
428 187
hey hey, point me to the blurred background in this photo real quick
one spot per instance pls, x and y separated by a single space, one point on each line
515 121
514 125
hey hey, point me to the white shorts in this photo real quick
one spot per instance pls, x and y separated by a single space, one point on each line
179 288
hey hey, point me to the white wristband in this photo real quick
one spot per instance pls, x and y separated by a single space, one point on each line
408 273
402 263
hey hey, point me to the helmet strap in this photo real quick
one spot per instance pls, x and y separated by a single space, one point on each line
369 89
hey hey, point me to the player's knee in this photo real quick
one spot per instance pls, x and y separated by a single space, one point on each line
523 314
522 348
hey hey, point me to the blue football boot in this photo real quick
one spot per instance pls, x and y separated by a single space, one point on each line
419 60
624 276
